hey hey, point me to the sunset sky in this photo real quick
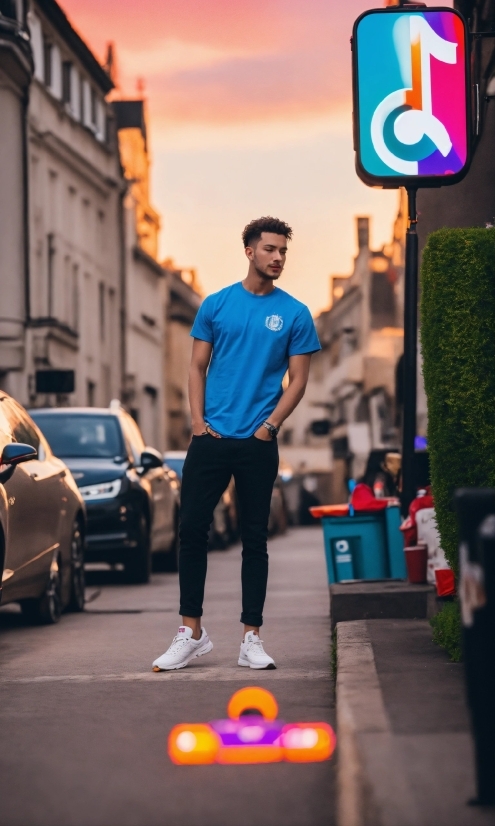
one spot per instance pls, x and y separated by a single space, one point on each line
250 114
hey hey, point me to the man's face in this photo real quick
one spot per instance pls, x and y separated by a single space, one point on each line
268 255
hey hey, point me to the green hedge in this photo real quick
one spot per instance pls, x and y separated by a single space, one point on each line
447 630
458 344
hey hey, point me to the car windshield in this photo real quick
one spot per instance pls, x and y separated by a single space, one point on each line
175 464
81 435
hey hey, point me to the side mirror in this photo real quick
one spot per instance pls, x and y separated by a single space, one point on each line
151 458
12 456
16 453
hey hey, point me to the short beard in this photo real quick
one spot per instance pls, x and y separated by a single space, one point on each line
266 276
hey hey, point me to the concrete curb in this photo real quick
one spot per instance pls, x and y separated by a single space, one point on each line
372 788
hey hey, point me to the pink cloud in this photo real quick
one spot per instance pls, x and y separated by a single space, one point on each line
268 59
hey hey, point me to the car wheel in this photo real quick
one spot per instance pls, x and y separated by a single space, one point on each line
77 576
47 609
168 561
138 565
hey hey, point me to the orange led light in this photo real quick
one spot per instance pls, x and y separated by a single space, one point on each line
236 755
307 742
193 744
253 698
251 734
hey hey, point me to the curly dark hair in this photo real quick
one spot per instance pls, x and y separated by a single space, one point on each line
252 232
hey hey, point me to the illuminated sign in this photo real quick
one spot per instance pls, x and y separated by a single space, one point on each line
410 97
251 734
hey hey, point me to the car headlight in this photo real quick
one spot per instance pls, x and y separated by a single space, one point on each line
101 490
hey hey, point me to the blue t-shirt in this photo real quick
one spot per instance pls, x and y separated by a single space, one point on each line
252 337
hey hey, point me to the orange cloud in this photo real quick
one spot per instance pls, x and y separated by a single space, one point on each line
219 61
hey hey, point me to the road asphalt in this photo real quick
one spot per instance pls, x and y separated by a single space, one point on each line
84 720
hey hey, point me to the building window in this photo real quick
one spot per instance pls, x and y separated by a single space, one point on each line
75 297
81 101
90 393
100 231
86 104
75 93
66 81
47 62
51 271
56 83
93 108
101 303
37 45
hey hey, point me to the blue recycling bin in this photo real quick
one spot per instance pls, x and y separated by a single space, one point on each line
365 545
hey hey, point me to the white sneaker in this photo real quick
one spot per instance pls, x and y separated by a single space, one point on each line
183 650
252 654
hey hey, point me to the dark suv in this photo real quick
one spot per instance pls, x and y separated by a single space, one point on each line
131 499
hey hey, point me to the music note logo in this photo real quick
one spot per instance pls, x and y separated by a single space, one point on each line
412 93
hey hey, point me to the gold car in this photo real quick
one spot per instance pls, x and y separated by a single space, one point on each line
42 522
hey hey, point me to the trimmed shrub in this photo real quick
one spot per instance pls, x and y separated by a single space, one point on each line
447 630
458 344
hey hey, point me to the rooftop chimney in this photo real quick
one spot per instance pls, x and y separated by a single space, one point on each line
363 233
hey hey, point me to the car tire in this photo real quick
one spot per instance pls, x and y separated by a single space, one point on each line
77 575
138 565
46 609
168 561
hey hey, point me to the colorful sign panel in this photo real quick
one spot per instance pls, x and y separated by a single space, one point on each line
411 114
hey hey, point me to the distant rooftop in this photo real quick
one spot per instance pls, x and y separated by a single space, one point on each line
129 114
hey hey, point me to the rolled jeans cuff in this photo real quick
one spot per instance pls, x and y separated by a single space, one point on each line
192 612
256 620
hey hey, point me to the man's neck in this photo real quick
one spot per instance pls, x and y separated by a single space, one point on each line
258 284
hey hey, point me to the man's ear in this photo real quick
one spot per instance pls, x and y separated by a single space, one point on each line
249 252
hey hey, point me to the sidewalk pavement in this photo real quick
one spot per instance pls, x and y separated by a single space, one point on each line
85 721
405 748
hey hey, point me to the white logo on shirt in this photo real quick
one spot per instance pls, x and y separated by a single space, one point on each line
274 323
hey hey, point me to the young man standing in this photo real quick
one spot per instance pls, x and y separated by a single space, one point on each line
245 339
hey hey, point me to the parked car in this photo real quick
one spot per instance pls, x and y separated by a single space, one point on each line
225 526
42 521
131 500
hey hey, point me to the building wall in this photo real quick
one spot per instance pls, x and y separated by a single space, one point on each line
75 186
15 77
179 349
184 300
145 281
349 406
145 337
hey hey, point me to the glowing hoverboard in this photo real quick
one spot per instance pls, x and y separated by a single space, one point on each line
251 734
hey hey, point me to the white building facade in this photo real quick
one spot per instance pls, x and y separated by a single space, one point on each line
74 272
82 292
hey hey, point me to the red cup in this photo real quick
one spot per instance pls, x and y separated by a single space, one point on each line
416 561
445 582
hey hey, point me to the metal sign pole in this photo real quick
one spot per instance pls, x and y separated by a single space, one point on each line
410 353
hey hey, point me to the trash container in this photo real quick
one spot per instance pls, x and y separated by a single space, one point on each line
475 508
364 545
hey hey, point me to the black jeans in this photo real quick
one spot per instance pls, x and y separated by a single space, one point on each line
209 466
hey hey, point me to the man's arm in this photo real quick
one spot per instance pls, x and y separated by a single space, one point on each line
298 379
201 355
